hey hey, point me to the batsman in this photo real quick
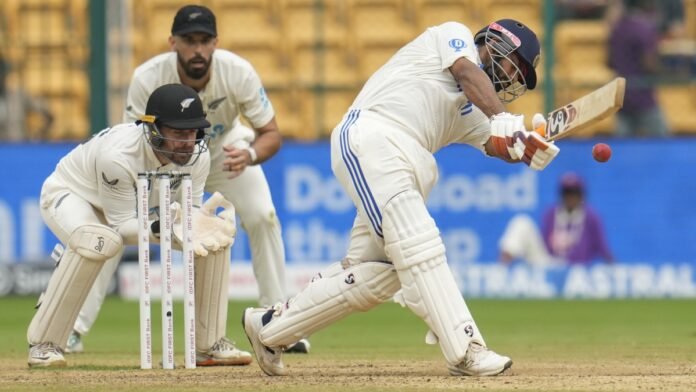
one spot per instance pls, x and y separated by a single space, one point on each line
446 86
89 203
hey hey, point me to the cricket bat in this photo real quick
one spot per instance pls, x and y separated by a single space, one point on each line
586 110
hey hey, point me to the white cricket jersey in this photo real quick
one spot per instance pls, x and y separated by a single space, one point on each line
417 92
104 169
234 88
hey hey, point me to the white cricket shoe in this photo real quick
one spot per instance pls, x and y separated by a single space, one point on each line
46 355
270 360
480 361
223 353
301 347
74 345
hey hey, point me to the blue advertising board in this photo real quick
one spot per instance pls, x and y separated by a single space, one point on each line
645 196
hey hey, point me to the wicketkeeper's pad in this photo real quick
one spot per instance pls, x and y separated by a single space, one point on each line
89 246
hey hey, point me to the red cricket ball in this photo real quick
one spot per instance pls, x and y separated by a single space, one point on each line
601 152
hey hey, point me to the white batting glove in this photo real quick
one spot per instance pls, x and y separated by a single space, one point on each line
538 151
211 231
513 142
503 129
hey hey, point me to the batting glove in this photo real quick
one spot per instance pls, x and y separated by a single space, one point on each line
513 142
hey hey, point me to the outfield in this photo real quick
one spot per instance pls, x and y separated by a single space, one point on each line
626 345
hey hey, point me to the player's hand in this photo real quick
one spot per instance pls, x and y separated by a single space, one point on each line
236 160
538 152
504 126
513 142
211 231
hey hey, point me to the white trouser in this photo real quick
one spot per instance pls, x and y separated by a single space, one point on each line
251 196
388 175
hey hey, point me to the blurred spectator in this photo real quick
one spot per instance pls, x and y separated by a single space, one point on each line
633 54
581 9
15 107
671 19
571 231
669 16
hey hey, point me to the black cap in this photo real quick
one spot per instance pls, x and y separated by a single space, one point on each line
523 39
176 106
194 19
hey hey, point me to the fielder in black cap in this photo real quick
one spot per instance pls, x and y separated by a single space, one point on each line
175 124
194 25
194 19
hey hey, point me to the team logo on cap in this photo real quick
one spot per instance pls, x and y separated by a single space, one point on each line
186 103
195 15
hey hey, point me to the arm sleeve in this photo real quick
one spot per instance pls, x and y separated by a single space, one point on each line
454 41
117 194
136 101
253 101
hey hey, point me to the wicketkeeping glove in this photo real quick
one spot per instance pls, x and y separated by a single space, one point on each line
211 231
512 141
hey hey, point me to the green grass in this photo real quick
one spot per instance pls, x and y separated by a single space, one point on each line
589 334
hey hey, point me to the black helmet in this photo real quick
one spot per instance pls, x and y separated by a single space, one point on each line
175 106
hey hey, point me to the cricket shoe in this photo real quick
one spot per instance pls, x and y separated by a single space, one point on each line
223 353
46 355
74 345
480 361
301 347
269 359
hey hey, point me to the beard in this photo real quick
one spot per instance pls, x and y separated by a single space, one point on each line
179 157
192 68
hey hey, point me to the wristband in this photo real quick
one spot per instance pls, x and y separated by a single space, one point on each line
252 154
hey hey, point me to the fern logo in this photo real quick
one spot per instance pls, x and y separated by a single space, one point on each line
186 103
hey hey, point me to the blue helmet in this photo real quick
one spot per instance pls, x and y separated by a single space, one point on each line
514 37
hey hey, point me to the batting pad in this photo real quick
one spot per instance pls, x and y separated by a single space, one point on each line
330 297
89 246
413 243
212 274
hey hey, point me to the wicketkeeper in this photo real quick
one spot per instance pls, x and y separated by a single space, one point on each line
89 203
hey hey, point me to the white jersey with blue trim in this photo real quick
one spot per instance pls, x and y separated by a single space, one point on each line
416 91
234 89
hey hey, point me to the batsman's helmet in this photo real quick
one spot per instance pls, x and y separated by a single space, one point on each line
502 38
